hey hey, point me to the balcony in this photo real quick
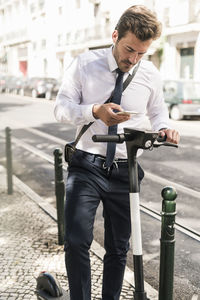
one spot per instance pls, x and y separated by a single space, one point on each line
89 34
14 37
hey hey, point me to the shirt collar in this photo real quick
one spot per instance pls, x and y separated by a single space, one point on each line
112 62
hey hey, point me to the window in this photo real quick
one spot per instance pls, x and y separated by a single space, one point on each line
68 38
166 15
41 4
24 2
22 52
187 62
78 3
2 12
43 44
59 40
60 10
45 65
96 8
32 8
34 46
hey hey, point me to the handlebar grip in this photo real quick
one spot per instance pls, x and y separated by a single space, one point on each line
105 138
161 139
116 138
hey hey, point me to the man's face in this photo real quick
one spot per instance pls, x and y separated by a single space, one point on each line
128 50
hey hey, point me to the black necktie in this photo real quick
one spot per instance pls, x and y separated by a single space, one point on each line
116 98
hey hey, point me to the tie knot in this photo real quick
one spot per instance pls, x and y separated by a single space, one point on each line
119 72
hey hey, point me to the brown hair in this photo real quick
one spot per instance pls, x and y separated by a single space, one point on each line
141 21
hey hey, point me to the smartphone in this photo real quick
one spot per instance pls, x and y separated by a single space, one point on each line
127 113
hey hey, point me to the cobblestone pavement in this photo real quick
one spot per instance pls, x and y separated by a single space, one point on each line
28 245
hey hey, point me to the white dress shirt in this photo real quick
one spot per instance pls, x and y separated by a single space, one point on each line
90 79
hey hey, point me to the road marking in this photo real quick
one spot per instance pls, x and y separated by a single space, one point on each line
34 150
178 186
186 230
188 146
47 136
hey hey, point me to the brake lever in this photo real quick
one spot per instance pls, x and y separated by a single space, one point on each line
158 144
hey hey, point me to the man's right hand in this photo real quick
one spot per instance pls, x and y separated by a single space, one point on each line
105 113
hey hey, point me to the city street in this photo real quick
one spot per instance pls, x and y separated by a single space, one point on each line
36 134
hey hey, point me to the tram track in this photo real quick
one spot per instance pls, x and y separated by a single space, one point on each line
144 208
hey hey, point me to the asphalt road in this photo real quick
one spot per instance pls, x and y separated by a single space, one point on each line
180 166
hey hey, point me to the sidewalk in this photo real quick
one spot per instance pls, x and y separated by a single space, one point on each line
29 245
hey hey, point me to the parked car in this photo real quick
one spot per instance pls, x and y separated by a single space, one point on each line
37 86
32 87
182 98
52 89
2 83
13 84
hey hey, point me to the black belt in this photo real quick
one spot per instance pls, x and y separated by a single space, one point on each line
99 160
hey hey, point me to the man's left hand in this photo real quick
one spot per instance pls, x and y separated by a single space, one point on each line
172 135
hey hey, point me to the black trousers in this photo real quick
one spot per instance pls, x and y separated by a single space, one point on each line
88 184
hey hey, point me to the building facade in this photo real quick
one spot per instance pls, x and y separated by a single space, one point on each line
181 45
41 37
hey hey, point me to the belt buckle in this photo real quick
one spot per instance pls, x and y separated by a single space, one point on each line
113 164
104 167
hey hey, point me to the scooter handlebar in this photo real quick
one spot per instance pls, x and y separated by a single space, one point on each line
116 138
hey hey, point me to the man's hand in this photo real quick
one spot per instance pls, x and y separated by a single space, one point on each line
105 113
172 135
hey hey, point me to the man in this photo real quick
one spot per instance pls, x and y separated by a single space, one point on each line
87 84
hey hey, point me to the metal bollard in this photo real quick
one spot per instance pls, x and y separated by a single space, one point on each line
60 193
9 161
167 243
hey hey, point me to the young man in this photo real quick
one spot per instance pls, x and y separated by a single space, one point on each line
87 84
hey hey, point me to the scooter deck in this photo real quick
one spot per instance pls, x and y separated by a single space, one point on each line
42 295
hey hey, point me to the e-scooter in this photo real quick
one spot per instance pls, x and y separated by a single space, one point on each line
48 287
135 139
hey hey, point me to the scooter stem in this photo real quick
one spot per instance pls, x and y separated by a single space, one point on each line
139 293
135 139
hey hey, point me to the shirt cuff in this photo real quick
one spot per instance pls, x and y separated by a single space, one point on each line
163 128
87 112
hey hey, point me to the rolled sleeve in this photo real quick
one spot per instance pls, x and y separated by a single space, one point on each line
68 106
87 112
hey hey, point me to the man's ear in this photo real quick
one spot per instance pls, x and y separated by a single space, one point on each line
115 36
